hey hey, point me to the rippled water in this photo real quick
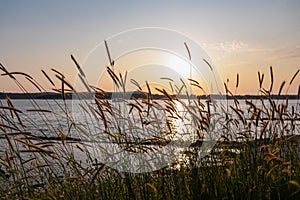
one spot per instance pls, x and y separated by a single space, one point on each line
44 123
64 114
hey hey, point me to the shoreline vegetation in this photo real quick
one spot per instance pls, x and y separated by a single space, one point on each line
255 157
133 95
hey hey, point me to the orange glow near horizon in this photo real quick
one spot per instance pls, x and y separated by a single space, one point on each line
248 78
245 61
157 68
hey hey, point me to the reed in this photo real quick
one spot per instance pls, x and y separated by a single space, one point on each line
256 156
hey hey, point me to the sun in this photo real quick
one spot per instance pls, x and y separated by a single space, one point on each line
179 65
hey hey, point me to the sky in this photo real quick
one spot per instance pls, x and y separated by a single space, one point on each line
241 37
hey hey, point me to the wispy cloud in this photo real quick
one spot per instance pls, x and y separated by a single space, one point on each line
241 53
228 46
286 53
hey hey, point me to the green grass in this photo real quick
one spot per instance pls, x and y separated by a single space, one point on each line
267 165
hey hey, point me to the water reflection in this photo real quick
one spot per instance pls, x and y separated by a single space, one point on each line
137 135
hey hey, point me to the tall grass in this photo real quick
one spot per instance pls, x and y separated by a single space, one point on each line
256 156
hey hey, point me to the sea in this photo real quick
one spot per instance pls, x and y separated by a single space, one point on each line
82 125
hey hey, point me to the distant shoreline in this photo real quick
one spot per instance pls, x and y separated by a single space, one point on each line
129 95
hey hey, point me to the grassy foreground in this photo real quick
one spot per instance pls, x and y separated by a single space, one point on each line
257 156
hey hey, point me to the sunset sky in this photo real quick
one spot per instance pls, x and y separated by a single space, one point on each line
240 36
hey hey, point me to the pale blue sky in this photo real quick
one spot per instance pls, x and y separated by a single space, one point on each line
240 36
